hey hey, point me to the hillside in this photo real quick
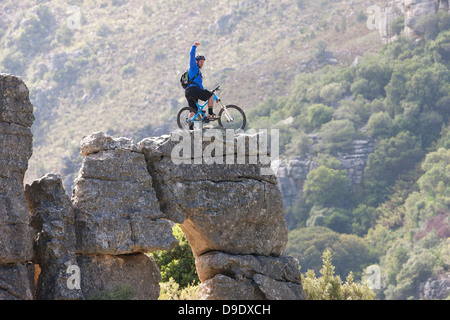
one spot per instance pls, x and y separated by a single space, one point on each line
117 67
367 163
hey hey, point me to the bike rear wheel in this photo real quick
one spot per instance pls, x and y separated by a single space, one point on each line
233 118
183 118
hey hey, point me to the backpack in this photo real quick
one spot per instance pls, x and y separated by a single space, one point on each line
184 80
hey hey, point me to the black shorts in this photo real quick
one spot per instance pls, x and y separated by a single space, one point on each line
194 93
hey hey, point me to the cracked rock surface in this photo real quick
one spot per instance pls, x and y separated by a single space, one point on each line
231 213
16 145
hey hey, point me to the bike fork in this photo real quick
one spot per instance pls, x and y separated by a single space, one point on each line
227 114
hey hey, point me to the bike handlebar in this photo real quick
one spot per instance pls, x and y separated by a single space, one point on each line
216 89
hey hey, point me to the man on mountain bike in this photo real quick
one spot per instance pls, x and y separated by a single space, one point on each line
194 90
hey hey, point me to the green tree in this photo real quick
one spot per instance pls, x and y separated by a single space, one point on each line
330 286
397 25
36 31
14 62
337 136
326 187
171 290
350 252
396 88
392 157
418 268
435 182
321 50
332 93
363 218
179 263
380 125
319 114
425 85
372 75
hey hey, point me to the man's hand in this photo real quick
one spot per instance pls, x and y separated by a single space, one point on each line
196 44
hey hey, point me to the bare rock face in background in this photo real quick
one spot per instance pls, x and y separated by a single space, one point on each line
16 236
393 10
416 9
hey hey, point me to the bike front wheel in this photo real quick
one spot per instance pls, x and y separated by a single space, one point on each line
183 120
232 117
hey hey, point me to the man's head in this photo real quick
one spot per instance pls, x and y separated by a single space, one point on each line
200 60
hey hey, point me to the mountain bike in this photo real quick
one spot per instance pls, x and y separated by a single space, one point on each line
229 117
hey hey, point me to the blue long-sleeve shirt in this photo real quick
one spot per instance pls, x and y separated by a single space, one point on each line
194 70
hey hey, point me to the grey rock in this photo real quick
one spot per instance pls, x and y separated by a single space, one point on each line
435 289
116 209
53 220
15 105
231 213
16 117
222 287
279 290
100 141
282 268
416 9
16 234
16 281
278 278
16 146
227 207
392 11
138 272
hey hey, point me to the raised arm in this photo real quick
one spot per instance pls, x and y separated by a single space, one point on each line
192 61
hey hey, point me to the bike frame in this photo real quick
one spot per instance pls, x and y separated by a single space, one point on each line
202 106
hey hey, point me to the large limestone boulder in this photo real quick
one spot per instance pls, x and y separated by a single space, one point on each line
116 209
53 220
137 273
228 207
16 236
256 277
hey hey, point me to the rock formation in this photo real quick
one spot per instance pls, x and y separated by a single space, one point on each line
126 200
392 11
128 196
416 9
16 240
116 208
435 289
232 216
53 220
118 219
412 11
